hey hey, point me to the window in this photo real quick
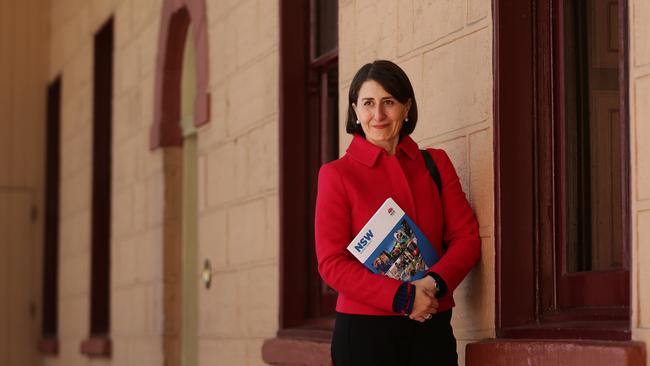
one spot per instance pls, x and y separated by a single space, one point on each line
309 138
99 344
323 146
591 161
49 326
562 180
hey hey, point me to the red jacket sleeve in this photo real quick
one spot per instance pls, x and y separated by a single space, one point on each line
338 267
460 226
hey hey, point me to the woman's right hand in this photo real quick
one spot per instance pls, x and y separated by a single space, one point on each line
425 302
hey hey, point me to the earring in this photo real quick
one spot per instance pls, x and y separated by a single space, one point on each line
358 122
406 119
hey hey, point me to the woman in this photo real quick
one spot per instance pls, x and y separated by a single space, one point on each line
380 320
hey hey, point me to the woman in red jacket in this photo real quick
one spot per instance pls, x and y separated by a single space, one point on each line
380 320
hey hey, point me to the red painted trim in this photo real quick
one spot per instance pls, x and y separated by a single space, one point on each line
326 59
96 346
49 346
605 331
176 18
577 353
293 162
304 352
584 289
321 333
513 39
313 28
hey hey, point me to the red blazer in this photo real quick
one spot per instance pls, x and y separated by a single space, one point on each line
353 187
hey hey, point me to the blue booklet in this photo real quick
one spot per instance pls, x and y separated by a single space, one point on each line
391 244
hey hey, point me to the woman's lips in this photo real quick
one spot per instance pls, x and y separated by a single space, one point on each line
380 127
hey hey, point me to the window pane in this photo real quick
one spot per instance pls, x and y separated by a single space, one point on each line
322 147
330 125
329 151
592 136
326 26
51 219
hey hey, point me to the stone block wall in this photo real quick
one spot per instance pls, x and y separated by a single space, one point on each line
237 182
137 187
445 47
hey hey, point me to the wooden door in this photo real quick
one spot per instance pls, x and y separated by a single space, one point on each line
18 326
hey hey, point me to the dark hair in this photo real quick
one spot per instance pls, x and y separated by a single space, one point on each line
394 80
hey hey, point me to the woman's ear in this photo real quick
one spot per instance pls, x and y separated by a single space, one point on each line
356 114
408 107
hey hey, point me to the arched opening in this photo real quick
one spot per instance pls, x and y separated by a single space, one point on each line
189 237
180 239
176 18
181 104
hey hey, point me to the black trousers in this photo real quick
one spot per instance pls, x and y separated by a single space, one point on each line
393 341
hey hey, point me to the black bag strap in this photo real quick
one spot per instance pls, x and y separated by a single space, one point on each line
435 174
433 170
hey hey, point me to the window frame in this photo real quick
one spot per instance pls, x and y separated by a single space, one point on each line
49 343
591 282
529 219
300 70
99 344
321 300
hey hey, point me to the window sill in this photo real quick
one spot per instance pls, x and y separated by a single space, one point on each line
49 346
505 352
97 346
602 330
298 347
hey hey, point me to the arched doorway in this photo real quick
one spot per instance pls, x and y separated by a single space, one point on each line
181 104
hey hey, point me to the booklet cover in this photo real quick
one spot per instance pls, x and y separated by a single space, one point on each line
391 244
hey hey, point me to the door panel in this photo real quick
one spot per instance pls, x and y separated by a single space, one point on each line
17 319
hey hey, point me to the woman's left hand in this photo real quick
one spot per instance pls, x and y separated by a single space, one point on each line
425 303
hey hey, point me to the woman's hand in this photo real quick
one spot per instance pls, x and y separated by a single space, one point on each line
425 303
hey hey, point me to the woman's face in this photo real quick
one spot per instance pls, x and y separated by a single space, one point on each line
380 114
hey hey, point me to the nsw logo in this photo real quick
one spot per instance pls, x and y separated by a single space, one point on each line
363 243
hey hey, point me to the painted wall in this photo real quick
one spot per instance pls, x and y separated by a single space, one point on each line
639 17
445 47
237 182
23 87
136 234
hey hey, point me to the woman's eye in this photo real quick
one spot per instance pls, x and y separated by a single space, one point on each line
367 103
389 102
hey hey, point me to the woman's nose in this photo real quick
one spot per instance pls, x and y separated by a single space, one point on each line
379 113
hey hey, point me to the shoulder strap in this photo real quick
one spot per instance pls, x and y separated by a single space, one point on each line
433 170
435 174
